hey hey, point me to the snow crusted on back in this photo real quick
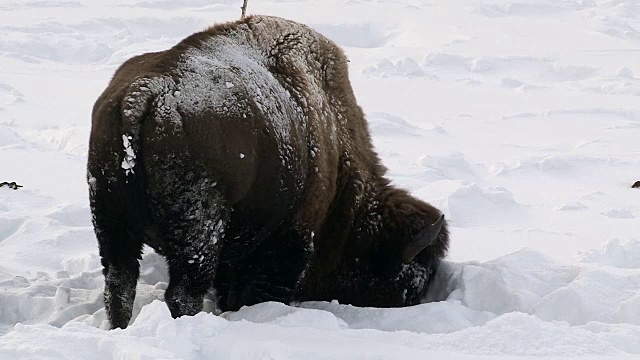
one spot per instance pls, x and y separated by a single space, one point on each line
223 72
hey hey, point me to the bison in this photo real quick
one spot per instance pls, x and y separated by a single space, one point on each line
241 155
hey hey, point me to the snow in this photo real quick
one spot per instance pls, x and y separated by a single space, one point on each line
519 119
129 161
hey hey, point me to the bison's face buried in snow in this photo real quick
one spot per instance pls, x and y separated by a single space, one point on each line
241 155
384 273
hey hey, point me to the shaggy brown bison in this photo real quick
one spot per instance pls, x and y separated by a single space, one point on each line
241 155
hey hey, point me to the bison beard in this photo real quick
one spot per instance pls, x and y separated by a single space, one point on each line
241 155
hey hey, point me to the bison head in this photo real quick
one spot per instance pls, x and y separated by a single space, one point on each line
393 251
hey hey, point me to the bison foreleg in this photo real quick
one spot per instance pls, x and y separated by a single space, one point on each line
275 267
189 281
193 260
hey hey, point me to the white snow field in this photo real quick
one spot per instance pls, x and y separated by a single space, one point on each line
519 119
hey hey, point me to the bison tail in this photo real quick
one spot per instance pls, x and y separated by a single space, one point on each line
134 108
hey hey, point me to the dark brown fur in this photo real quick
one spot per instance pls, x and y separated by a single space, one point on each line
254 174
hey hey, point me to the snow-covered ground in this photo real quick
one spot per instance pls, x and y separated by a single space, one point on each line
520 119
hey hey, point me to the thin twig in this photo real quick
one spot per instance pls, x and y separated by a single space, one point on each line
11 185
244 9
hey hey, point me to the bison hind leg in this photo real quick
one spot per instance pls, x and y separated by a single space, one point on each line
120 251
120 247
120 292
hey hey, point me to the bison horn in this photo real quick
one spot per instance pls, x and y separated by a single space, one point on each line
421 240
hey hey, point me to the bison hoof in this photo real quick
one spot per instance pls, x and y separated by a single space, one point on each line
261 290
119 324
636 184
183 304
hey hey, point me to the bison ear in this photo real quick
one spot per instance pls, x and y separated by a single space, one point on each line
421 240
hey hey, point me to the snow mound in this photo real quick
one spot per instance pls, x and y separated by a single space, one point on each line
571 206
73 216
287 316
516 282
622 25
9 95
431 318
527 335
64 48
91 41
615 253
622 82
515 72
9 227
495 8
447 166
70 140
467 204
153 268
383 124
80 264
529 282
359 35
129 31
172 4
619 214
8 136
520 304
39 4
594 295
406 67
555 165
